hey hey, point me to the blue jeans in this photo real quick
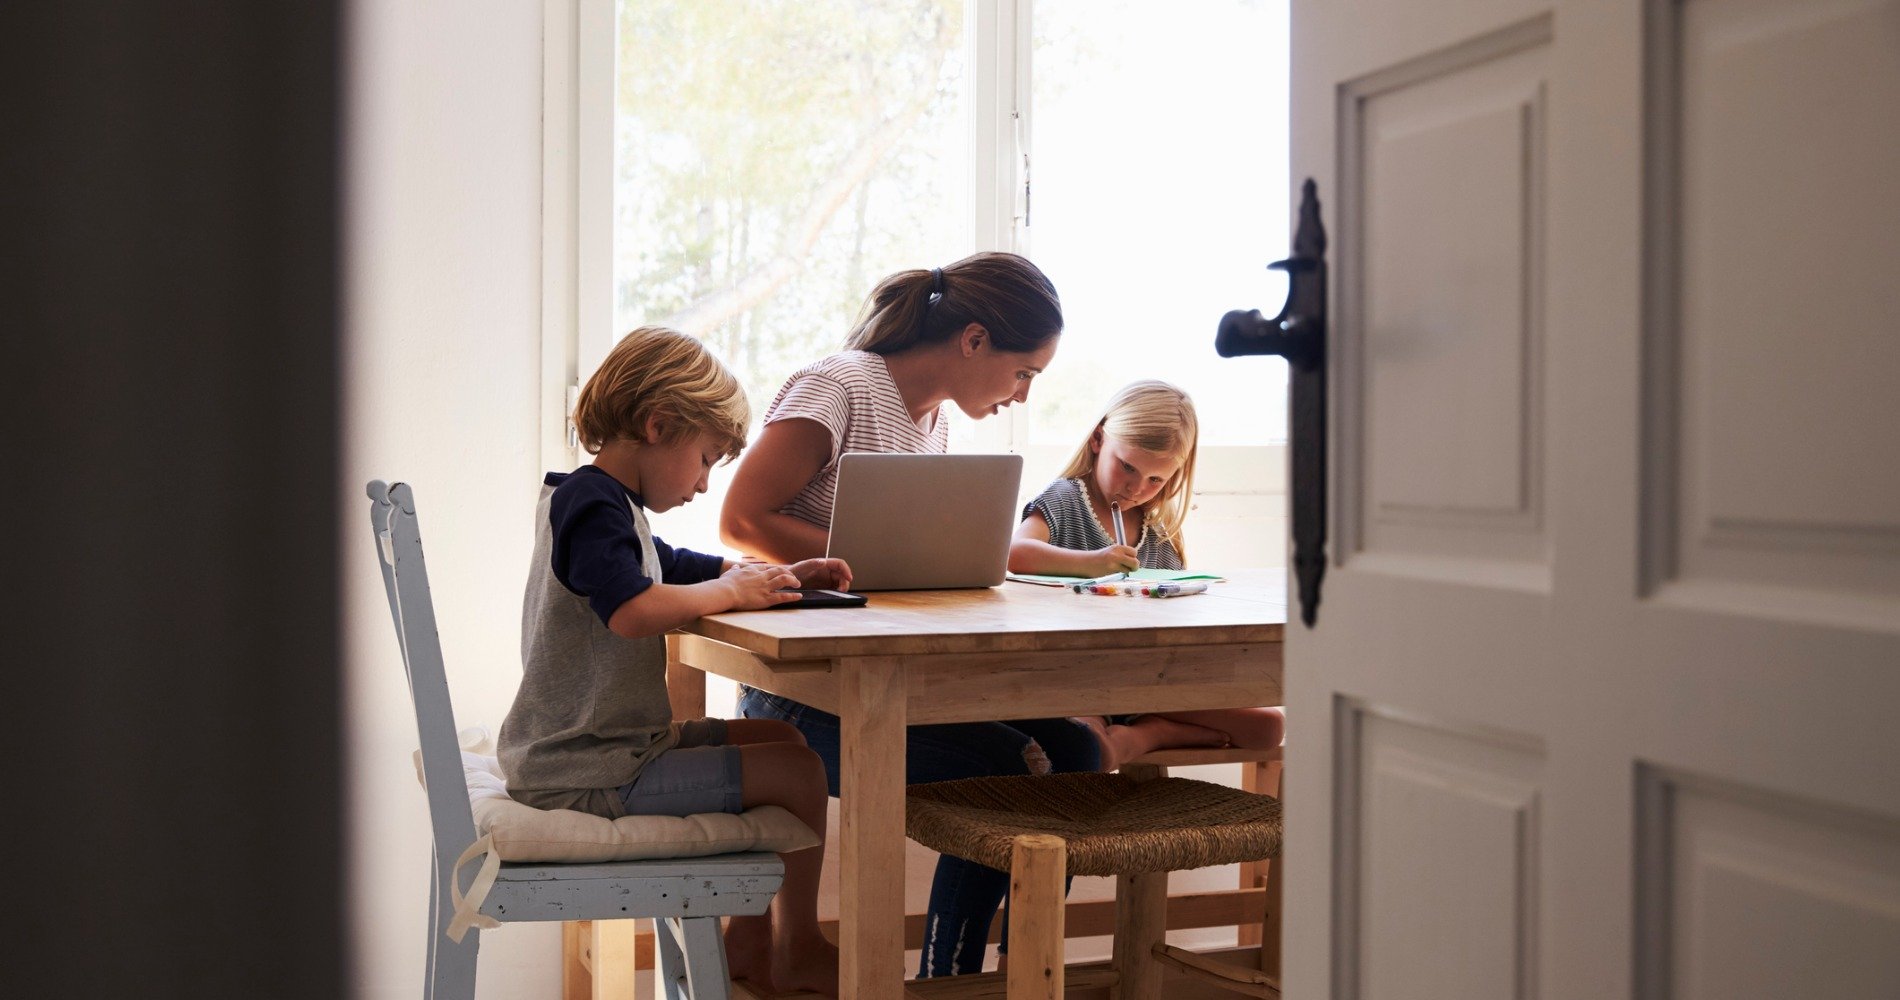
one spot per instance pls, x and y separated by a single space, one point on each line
964 895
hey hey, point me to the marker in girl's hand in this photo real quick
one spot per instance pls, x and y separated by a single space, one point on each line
1121 539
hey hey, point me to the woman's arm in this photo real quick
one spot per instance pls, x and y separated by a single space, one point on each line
787 456
1030 551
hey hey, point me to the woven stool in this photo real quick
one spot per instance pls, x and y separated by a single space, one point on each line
1040 828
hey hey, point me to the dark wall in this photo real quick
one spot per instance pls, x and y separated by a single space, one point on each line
171 823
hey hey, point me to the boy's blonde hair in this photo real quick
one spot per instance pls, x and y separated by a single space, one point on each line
664 375
1153 416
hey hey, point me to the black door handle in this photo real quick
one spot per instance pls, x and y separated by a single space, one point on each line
1298 334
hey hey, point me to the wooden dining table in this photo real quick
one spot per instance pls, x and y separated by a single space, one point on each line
1013 651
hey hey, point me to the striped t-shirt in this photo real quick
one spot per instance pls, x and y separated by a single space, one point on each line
852 396
1072 525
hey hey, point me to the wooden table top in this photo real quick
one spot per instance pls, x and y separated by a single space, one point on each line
1015 617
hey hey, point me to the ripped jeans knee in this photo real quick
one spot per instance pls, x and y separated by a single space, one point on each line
1034 757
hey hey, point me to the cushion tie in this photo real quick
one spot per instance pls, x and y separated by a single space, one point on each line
468 909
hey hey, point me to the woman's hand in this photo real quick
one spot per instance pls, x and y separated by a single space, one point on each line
758 585
822 574
1116 559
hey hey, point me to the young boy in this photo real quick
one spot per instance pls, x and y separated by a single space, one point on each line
591 727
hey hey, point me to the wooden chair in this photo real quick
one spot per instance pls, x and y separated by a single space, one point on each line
685 896
1136 825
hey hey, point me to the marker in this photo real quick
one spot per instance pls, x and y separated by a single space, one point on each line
1138 588
1121 538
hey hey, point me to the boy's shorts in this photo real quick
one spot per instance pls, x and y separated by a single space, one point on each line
700 774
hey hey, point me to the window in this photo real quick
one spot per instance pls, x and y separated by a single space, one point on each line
1159 192
771 161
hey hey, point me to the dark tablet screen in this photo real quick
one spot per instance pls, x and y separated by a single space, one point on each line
822 599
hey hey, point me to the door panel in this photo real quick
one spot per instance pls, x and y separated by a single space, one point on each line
1445 830
1784 314
1759 894
1442 296
1601 704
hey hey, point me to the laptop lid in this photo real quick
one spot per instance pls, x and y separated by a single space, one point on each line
924 522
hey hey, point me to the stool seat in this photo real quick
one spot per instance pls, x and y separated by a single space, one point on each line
1112 823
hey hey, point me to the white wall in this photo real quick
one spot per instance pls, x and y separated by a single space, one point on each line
443 281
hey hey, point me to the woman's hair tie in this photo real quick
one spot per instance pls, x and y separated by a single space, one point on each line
936 282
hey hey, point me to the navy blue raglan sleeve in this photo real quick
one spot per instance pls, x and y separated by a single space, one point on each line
685 565
596 552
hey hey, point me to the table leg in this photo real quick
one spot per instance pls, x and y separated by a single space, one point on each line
871 828
685 686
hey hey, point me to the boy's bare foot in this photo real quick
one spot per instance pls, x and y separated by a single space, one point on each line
749 951
809 965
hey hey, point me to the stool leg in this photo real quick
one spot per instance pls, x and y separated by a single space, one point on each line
707 977
1141 920
1271 927
1037 865
669 962
1262 777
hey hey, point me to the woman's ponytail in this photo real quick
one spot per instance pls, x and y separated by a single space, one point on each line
1003 292
893 315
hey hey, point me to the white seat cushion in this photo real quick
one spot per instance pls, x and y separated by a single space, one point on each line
524 833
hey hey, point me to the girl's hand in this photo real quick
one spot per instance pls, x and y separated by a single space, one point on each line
1116 559
756 585
822 574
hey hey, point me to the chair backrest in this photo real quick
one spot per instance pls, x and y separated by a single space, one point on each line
392 515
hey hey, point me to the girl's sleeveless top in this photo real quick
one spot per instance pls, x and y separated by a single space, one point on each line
1072 525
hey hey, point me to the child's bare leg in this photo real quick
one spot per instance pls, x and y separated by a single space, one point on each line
1252 728
1122 743
798 956
749 939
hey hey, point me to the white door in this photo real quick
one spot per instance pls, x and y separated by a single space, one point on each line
1604 697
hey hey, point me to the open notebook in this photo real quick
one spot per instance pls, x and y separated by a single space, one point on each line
1152 575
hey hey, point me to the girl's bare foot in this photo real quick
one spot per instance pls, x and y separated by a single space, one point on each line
1156 732
1120 744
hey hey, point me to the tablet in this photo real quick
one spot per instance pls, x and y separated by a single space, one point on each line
821 599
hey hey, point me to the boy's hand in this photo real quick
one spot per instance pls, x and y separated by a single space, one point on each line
1116 559
822 574
758 585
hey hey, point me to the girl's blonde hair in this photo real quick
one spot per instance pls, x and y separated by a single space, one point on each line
664 375
1153 416
1003 292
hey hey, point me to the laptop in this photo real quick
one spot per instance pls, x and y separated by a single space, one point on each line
924 522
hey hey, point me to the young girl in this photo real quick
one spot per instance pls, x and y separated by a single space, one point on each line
1137 465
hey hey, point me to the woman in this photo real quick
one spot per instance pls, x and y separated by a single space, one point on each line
975 334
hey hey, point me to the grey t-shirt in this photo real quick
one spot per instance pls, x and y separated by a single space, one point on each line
592 708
